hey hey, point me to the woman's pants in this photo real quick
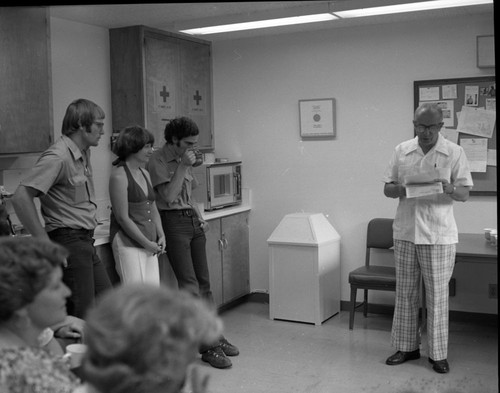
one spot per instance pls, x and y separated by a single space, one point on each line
134 264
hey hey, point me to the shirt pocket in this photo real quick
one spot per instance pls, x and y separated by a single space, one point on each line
78 188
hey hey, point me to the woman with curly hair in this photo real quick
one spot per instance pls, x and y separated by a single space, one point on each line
142 338
32 298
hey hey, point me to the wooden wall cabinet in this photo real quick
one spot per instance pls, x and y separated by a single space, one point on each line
228 257
158 75
26 124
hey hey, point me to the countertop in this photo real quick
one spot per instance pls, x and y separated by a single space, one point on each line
101 233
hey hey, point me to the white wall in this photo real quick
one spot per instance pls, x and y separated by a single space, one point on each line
257 84
369 70
80 69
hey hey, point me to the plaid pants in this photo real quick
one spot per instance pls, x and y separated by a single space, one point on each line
435 264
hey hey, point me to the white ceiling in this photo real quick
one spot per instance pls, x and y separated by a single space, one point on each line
169 16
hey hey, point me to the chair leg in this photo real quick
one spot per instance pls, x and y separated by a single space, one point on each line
365 307
353 306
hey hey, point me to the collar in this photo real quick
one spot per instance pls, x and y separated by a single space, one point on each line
73 148
441 146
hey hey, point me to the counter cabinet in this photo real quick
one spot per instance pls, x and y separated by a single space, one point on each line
228 257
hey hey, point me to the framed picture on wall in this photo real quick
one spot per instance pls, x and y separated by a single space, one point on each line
317 118
485 51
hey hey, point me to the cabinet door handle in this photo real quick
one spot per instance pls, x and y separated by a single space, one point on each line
221 244
224 241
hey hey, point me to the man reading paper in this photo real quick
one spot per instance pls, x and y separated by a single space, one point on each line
425 235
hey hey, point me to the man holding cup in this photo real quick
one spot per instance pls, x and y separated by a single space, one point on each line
171 175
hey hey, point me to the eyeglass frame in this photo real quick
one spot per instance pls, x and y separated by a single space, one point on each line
431 127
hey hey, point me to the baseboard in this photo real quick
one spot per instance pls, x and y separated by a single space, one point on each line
384 309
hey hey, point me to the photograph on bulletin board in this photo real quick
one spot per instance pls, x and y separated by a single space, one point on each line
469 117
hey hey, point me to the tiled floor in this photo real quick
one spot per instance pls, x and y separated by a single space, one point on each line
281 356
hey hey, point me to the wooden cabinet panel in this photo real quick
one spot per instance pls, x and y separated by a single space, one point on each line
158 75
235 257
213 248
228 257
26 124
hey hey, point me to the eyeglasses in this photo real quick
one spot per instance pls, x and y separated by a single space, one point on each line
99 124
431 127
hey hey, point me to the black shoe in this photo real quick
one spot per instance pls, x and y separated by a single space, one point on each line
401 357
440 366
228 348
216 358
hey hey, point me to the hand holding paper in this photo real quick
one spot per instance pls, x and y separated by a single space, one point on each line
426 183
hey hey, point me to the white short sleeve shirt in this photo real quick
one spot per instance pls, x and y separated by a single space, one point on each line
427 219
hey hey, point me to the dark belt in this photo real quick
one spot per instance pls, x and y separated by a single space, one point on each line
58 231
180 212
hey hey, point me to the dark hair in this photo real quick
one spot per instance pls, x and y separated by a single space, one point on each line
142 338
180 127
130 141
80 113
26 265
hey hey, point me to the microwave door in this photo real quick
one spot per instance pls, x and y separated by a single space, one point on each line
221 186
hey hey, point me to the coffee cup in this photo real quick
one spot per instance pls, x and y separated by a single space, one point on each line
487 233
199 157
74 354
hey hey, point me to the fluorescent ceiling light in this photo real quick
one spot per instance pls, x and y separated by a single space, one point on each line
261 24
408 7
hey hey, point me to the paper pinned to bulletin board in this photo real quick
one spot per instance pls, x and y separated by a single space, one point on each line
469 116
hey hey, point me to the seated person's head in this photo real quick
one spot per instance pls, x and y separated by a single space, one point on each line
142 339
32 294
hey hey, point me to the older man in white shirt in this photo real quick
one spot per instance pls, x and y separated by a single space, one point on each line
425 235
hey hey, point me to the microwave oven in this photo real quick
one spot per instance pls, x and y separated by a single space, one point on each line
219 185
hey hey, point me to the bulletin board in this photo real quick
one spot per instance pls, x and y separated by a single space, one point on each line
468 105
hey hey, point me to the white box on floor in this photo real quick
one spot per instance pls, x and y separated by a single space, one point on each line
304 269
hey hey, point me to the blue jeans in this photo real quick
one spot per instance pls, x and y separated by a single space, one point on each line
85 274
186 252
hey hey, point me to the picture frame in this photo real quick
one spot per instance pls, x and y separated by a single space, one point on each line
485 51
317 118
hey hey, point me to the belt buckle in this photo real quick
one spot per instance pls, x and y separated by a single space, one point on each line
188 212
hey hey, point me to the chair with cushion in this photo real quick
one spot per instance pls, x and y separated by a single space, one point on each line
382 278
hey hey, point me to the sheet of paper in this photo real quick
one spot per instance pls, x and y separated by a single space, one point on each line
450 134
429 93
476 121
471 95
427 177
492 157
491 104
449 92
476 150
415 191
